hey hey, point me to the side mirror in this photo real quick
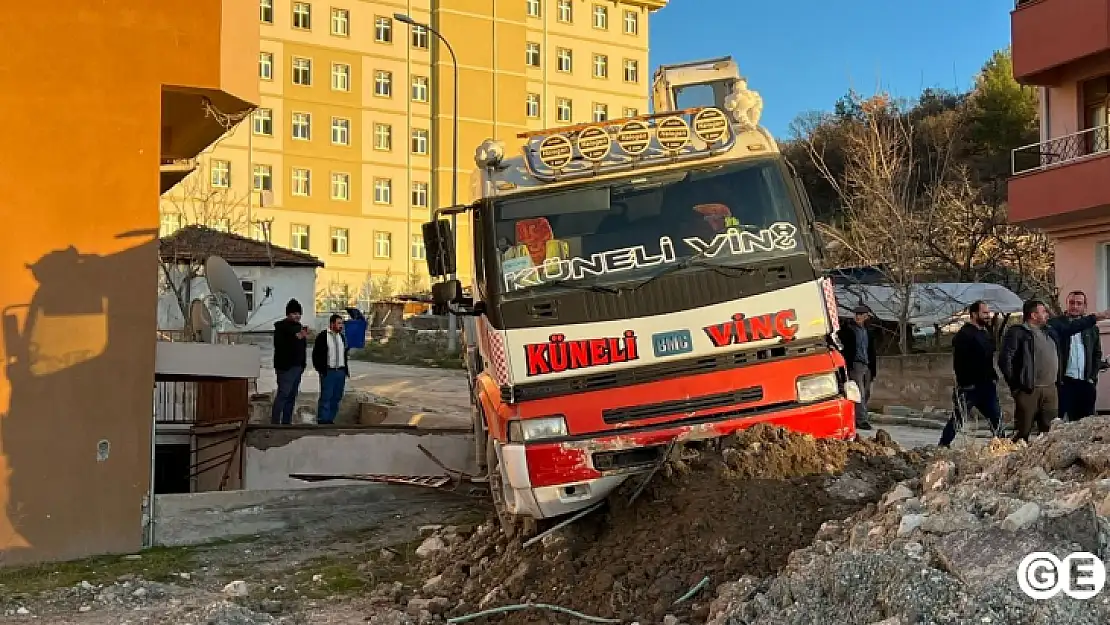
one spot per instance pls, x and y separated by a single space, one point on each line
450 292
439 247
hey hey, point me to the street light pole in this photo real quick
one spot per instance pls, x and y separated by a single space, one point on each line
452 322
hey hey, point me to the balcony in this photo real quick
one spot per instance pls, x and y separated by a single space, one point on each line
1050 34
1061 180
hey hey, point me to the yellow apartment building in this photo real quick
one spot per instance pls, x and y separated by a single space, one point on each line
351 146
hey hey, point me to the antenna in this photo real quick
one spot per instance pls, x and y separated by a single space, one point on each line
226 289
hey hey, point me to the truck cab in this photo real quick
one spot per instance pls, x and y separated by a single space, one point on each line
639 283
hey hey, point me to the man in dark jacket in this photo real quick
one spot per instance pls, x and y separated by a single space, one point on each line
329 359
860 355
1080 361
1030 364
290 354
976 379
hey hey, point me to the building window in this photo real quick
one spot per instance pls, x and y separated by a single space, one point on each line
601 66
266 11
532 54
340 22
630 112
383 30
419 141
341 186
563 109
631 23
631 70
383 83
302 71
565 60
171 223
222 224
532 105
601 16
298 239
302 182
533 7
420 194
263 178
419 88
248 291
340 131
601 112
419 37
418 252
383 137
340 77
383 191
383 245
1096 113
566 11
339 239
266 65
221 174
302 126
264 122
302 15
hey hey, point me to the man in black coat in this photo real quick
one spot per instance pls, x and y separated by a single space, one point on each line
1080 363
976 378
1030 364
290 354
329 359
861 357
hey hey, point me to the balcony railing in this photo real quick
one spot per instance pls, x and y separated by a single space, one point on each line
1061 150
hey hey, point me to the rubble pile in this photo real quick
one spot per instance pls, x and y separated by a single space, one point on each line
945 547
714 514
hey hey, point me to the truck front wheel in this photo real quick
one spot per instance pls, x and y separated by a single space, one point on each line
513 525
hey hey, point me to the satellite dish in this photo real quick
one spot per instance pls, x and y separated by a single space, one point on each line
200 319
225 286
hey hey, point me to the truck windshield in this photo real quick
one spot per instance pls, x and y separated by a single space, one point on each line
629 229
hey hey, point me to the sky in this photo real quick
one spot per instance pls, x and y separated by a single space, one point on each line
802 55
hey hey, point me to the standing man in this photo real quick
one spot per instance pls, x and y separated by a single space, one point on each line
1080 358
329 358
976 379
861 358
290 354
1030 364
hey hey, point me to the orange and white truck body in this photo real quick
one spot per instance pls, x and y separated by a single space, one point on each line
645 281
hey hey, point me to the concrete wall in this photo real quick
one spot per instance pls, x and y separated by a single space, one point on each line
272 453
286 282
79 189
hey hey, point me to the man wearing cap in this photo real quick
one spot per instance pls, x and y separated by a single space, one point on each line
861 358
290 358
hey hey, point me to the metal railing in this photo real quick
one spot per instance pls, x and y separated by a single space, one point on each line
175 402
1061 150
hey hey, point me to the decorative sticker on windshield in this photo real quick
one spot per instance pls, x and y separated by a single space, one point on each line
559 355
535 233
780 236
743 329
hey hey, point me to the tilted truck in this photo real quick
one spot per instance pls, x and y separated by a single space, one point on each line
637 282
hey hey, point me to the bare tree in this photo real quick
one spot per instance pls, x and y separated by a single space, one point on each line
892 190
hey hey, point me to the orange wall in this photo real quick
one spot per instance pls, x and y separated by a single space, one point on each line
78 167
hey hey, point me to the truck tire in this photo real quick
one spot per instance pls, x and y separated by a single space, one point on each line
512 525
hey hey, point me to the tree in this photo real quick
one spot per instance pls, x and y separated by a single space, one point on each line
195 202
892 193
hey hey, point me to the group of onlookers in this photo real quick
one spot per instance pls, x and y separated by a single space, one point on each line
329 359
1050 365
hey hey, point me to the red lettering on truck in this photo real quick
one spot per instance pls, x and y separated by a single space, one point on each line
742 329
558 354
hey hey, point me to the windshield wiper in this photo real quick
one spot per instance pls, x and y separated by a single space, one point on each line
573 284
696 259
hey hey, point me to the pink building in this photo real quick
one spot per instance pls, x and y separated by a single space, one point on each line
1062 184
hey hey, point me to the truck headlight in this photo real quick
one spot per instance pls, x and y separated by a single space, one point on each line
537 429
851 390
815 387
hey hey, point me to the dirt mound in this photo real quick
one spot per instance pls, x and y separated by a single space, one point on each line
945 548
718 512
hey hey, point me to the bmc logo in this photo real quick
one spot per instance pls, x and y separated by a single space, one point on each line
1080 575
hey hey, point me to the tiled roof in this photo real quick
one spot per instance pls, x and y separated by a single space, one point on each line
197 243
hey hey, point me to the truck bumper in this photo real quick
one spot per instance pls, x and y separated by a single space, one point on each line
558 478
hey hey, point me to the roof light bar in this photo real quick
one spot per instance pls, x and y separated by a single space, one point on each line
585 149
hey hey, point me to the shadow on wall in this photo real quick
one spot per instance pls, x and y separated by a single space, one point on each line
71 433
